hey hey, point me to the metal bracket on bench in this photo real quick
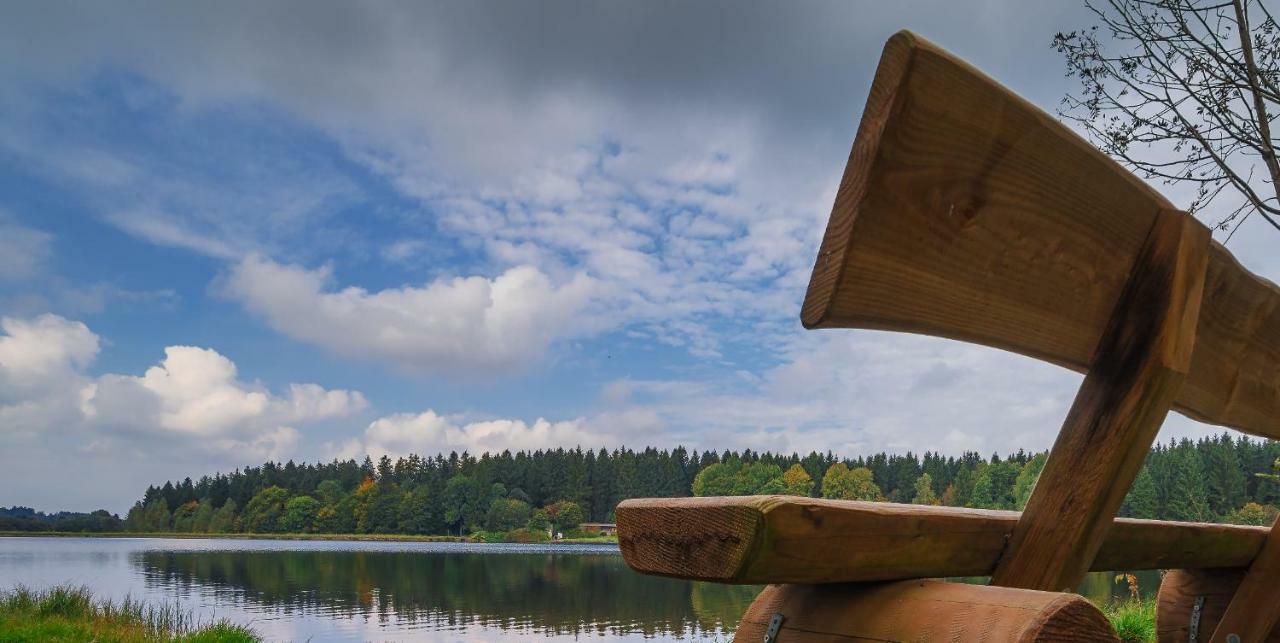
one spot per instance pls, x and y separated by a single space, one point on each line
775 625
1193 630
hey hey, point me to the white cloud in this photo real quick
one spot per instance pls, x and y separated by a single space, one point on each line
460 325
42 353
429 432
194 395
165 229
41 360
196 391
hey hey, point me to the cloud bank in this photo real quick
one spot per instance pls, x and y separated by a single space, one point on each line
449 326
194 396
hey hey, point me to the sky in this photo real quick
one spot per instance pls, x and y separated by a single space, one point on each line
242 231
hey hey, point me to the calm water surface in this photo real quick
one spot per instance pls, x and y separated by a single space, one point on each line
375 591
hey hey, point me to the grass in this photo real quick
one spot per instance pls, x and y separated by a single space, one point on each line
72 615
1134 620
589 539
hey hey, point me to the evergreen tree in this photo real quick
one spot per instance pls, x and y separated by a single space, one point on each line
1188 492
1141 501
1225 481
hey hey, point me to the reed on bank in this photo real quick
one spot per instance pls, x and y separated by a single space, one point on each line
72 615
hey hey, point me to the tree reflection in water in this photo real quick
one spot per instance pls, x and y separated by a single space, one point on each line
551 593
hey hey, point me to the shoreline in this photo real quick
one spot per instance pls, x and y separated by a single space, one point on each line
273 536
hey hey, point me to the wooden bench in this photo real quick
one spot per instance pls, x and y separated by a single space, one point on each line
965 212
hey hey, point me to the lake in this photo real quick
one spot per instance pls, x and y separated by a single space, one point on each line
401 591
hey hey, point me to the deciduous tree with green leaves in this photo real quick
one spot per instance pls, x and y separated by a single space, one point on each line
1026 480
506 514
842 483
262 514
797 482
300 515
924 491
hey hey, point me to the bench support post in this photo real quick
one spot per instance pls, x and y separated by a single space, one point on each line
1137 370
1254 610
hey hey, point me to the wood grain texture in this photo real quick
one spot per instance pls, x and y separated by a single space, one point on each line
1235 370
966 212
1255 609
1176 600
788 539
921 611
1139 367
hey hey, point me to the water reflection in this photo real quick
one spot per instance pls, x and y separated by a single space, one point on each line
376 591
554 593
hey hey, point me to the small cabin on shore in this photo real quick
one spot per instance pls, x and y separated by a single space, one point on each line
602 528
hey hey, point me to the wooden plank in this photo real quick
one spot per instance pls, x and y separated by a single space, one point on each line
1254 611
966 212
1235 370
1181 590
921 611
1139 367
789 539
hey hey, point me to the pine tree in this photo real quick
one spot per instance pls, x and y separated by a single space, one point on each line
1225 479
962 487
1188 492
1141 501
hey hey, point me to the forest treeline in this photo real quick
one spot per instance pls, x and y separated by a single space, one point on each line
526 494
28 519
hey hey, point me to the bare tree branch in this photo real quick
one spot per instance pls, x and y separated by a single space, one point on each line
1185 92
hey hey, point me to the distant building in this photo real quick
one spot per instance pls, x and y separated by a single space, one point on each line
602 528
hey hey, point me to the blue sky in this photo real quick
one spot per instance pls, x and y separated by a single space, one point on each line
318 230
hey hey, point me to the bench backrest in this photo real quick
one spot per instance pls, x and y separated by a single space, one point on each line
966 212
